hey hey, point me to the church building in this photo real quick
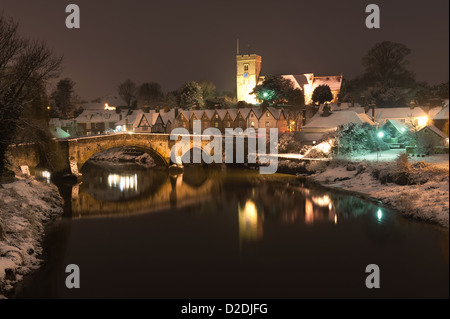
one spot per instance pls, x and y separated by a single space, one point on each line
249 75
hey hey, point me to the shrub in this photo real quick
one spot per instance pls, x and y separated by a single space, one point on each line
403 162
288 144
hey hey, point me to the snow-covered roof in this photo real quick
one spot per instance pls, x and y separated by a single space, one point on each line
57 132
244 112
397 113
433 111
221 113
338 118
435 130
233 113
209 113
334 82
275 112
130 119
397 124
298 80
166 117
257 112
442 115
187 114
98 116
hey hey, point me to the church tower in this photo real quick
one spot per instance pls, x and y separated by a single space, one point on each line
248 72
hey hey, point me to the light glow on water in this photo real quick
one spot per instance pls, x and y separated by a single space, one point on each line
380 215
123 182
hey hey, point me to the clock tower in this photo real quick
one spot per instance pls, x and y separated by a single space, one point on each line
248 72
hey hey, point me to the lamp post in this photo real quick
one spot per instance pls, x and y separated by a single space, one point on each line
380 135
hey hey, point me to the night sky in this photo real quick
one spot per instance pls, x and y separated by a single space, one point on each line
172 42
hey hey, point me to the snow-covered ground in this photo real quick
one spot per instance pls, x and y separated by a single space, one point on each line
427 199
25 207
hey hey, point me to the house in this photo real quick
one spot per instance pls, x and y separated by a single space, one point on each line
92 122
253 118
318 126
55 129
441 119
404 115
273 118
394 127
433 137
168 118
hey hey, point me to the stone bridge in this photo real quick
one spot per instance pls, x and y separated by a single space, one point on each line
79 150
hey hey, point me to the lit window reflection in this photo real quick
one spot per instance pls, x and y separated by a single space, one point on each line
321 201
123 182
250 224
309 212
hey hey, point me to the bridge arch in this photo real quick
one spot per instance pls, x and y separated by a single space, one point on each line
81 150
155 155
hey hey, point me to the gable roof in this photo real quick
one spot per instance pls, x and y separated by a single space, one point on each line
442 115
98 116
221 113
276 113
396 124
334 82
233 113
298 80
435 130
397 113
257 111
244 112
338 118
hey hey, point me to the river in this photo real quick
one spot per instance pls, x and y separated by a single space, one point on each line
214 233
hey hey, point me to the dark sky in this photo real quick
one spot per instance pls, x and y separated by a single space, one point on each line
172 42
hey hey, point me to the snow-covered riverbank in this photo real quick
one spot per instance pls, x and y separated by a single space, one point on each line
25 207
423 192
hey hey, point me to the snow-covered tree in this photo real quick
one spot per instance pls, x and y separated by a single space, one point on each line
322 94
190 94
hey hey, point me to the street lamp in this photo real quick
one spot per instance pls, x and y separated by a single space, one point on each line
380 135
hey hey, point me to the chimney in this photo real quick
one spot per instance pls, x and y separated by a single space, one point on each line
176 112
146 109
157 109
166 108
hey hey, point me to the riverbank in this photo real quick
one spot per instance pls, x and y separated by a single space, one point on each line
26 206
416 189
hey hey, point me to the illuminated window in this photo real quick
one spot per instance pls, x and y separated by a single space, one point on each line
267 124
267 114
228 124
217 116
253 124
216 124
245 67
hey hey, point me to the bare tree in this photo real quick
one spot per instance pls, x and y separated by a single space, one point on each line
127 91
24 64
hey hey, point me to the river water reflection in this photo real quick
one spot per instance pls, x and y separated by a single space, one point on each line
212 233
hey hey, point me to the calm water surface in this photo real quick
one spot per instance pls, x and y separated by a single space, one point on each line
211 233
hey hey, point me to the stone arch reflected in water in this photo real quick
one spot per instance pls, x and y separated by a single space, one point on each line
129 190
